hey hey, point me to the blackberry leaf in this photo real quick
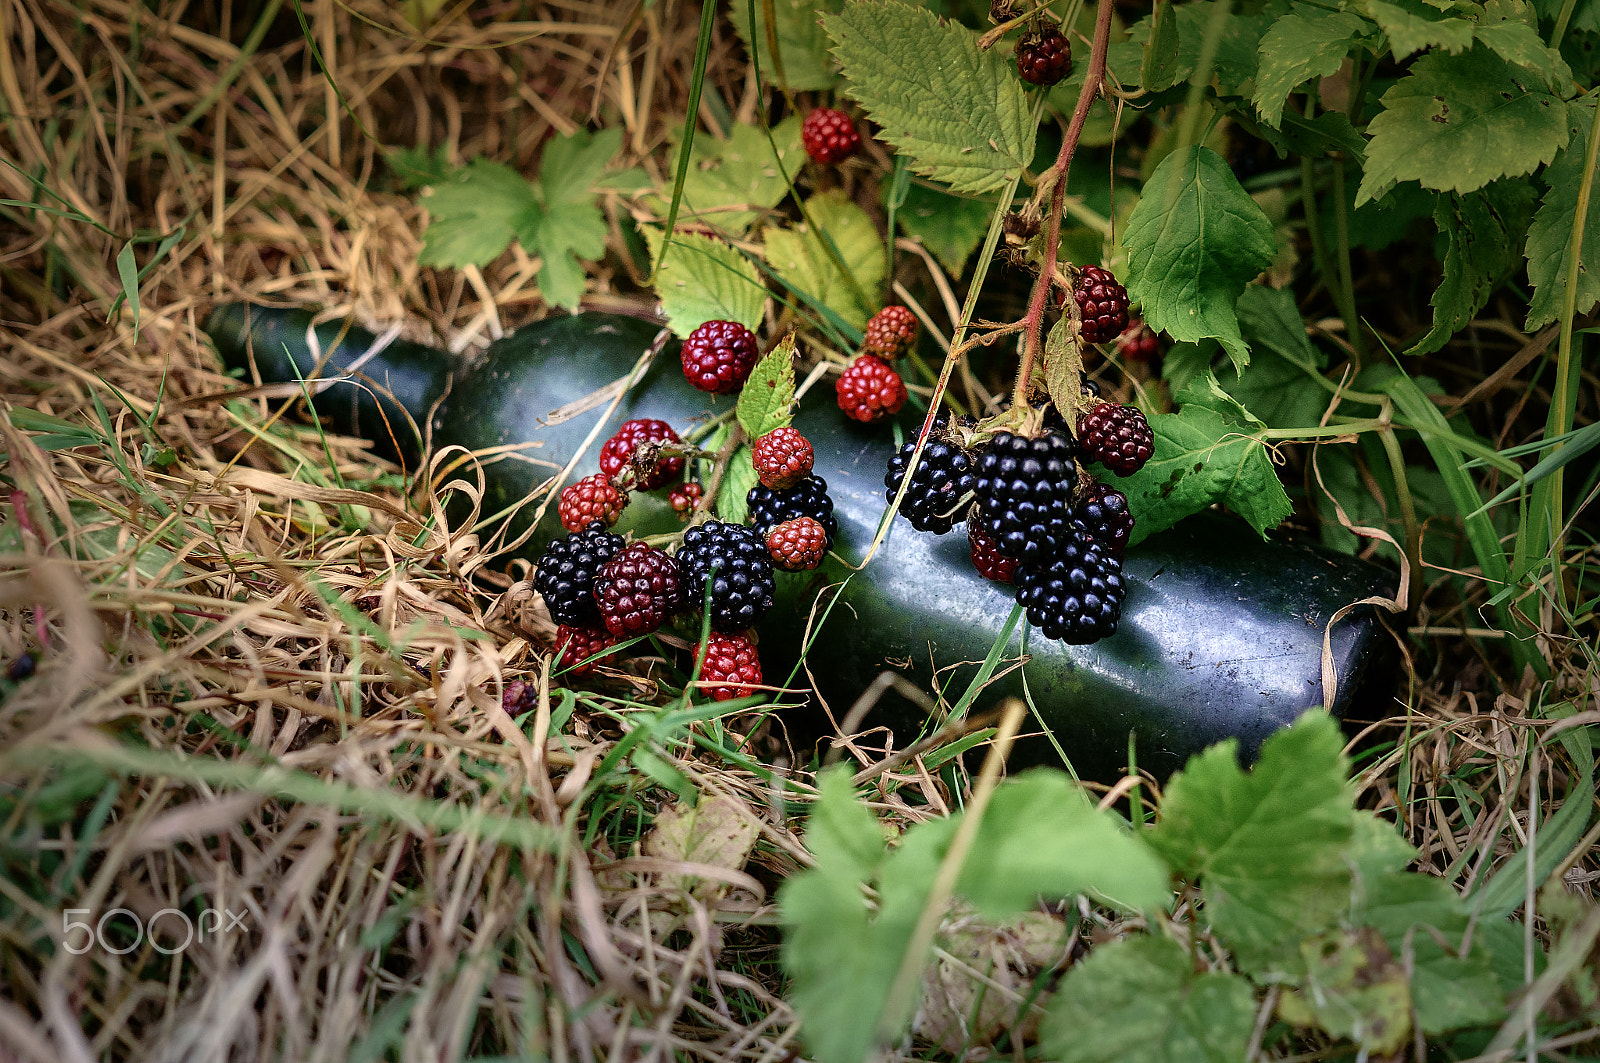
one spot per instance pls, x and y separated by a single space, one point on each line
1194 241
800 259
802 44
958 113
1483 234
1412 25
736 484
705 280
768 394
1550 238
1305 44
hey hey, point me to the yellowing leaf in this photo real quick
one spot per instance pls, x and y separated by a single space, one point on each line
802 259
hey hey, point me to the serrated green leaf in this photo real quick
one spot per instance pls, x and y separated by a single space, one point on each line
572 165
1267 845
473 216
957 112
1061 380
1520 45
1304 44
767 399
1202 458
733 183
802 43
705 280
1193 242
1550 236
1274 386
1234 63
1483 232
1140 999
1455 123
1353 988
732 502
799 257
1412 26
1159 69
950 227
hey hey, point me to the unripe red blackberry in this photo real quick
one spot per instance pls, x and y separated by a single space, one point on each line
637 590
1103 304
797 544
1138 343
782 458
617 454
590 499
869 390
730 658
718 356
684 498
578 644
1116 436
1044 55
829 136
986 555
891 332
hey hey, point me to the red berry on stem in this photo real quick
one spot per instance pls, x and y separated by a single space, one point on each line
578 644
891 332
685 497
637 590
986 555
1103 304
1116 436
591 498
869 390
618 452
829 136
1044 55
797 544
718 356
783 457
730 659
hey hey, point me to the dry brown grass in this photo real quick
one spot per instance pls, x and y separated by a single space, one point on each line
269 681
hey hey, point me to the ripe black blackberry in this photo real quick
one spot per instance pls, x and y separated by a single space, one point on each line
732 560
1075 597
566 572
940 489
808 498
1025 489
1102 515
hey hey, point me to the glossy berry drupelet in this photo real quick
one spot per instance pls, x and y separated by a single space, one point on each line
891 332
730 658
637 590
1102 515
578 644
869 390
1138 343
829 136
1044 55
1116 436
941 488
808 498
684 498
783 457
1103 304
718 356
590 499
1025 489
987 558
566 571
1075 597
797 544
731 561
617 454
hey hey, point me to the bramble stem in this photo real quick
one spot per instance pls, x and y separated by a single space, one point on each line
1033 322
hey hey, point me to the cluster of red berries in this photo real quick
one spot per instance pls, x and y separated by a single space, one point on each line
869 389
630 460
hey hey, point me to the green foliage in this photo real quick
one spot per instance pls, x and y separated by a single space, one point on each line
1483 233
802 44
767 398
1141 999
705 280
1550 237
1193 242
479 210
957 112
1457 122
733 183
737 481
1276 386
950 227
1306 43
1210 451
802 259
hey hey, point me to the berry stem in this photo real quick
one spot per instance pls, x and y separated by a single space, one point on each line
702 509
1033 322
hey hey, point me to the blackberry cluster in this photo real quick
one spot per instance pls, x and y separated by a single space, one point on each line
1076 596
731 560
808 498
566 572
1025 491
940 489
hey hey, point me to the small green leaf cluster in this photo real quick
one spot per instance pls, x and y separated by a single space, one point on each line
1301 896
